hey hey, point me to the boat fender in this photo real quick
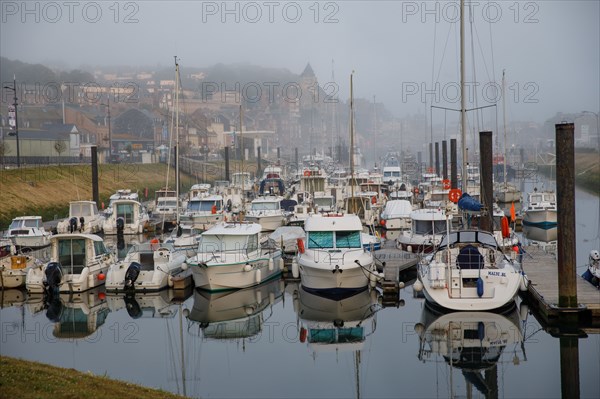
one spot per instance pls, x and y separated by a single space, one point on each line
481 330
247 267
271 264
303 335
524 282
505 227
418 286
258 276
258 297
479 287
281 264
271 298
170 281
295 271
300 243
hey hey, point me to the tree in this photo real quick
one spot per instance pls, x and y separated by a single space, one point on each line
60 146
4 149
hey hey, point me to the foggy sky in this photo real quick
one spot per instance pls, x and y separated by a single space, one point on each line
549 49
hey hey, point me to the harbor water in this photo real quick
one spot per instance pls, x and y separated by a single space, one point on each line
278 341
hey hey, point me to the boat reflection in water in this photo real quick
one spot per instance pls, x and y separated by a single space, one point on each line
336 324
472 342
235 314
148 305
543 239
121 244
76 315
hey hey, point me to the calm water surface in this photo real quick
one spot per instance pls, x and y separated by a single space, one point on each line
277 341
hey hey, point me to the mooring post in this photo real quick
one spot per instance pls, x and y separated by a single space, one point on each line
278 155
258 166
565 196
444 159
437 159
453 170
419 160
430 156
95 195
296 159
227 163
486 185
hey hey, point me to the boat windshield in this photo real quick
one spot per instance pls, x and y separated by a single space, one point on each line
336 335
469 237
24 223
323 201
82 209
327 239
166 202
429 227
125 211
265 206
391 173
204 206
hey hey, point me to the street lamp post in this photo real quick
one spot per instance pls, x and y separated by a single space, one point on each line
14 89
107 105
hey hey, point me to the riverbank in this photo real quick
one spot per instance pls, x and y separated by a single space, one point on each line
47 190
24 379
587 171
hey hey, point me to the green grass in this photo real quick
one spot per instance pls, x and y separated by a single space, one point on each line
28 380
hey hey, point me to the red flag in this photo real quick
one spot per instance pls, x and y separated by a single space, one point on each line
513 215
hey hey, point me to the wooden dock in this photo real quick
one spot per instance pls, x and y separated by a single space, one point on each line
393 261
542 294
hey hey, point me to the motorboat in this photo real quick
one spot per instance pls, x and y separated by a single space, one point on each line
541 209
83 217
128 217
427 228
396 215
331 259
468 271
267 212
205 211
149 305
28 232
78 262
230 256
14 269
150 266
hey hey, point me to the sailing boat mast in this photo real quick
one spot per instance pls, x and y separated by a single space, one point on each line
177 83
242 156
504 121
352 179
463 111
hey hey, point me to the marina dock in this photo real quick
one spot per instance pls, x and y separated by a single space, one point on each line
393 261
542 294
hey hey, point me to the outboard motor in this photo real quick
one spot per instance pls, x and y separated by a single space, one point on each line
132 273
179 230
72 224
81 222
120 225
52 280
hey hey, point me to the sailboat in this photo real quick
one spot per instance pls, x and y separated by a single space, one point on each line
469 270
506 192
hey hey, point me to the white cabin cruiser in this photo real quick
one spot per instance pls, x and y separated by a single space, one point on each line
14 269
205 211
128 217
83 217
267 212
332 259
230 256
428 227
396 215
78 262
28 232
147 267
541 209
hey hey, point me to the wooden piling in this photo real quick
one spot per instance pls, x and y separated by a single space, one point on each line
565 184
258 165
227 163
453 170
430 155
95 195
444 159
569 367
296 158
486 186
437 158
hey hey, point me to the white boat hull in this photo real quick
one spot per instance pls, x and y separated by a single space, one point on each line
14 269
508 196
500 287
267 222
540 218
318 272
32 241
226 276
87 279
398 224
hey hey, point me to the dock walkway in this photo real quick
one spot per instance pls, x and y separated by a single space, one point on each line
541 268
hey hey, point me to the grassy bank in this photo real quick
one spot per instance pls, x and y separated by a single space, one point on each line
47 190
24 379
587 171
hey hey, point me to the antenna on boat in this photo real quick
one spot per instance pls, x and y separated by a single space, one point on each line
177 86
463 111
242 156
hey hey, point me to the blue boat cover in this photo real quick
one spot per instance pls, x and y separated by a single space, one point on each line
469 203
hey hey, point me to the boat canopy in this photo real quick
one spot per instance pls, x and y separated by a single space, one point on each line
468 237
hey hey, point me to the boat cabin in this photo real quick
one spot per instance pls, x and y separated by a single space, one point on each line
75 252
